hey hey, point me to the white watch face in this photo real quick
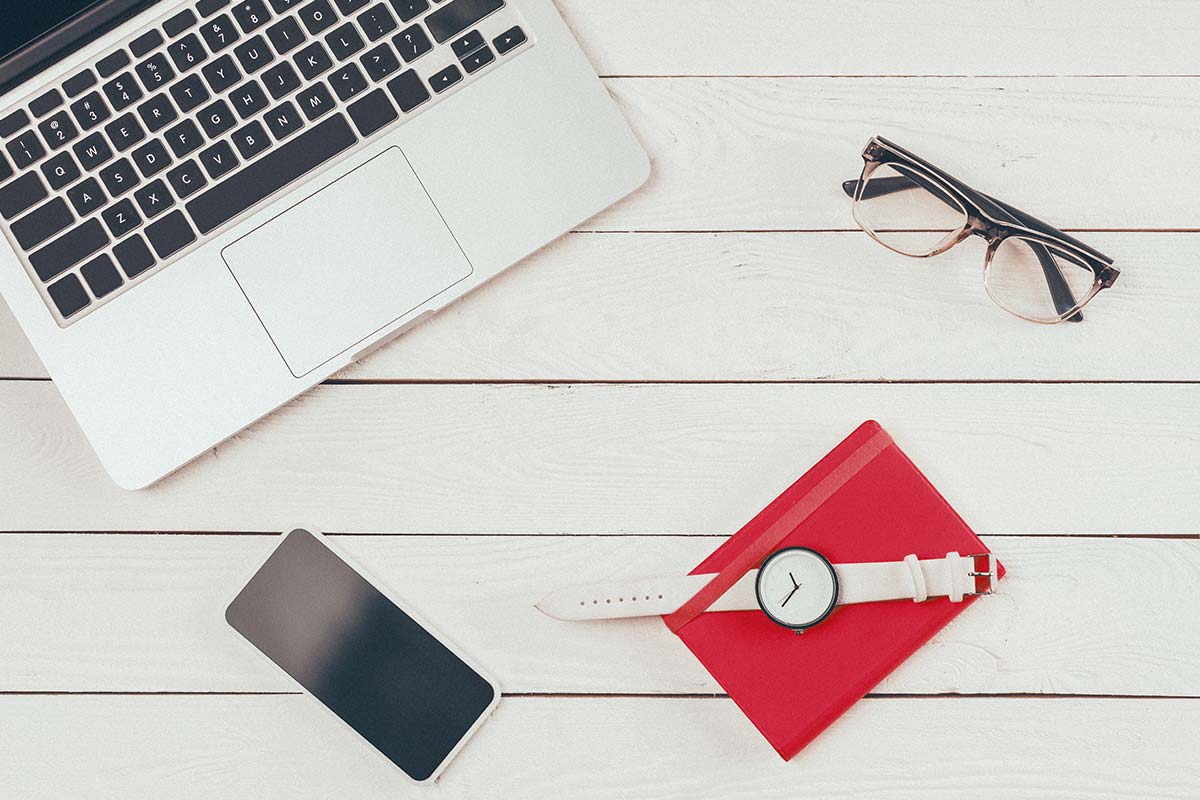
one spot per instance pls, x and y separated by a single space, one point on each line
797 587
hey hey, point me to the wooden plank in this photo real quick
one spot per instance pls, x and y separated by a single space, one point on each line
780 306
650 458
878 37
909 749
145 614
771 154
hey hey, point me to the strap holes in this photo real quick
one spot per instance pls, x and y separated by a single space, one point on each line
608 601
660 597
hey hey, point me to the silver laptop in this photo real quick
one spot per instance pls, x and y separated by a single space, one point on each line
209 207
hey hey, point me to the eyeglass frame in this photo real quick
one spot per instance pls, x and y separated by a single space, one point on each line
990 219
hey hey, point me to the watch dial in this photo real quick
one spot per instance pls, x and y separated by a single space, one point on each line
797 587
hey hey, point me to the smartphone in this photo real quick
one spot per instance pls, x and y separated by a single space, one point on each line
373 663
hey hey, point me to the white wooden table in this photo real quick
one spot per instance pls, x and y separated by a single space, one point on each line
645 385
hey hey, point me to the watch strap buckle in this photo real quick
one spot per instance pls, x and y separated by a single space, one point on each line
989 574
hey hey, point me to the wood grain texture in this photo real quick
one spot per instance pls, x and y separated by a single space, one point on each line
651 458
201 747
878 37
780 306
146 614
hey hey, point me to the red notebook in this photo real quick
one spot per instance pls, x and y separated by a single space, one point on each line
865 501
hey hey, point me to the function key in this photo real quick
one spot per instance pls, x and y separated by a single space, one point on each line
443 80
143 44
25 149
468 43
112 63
69 296
350 6
179 23
281 6
209 7
78 84
41 106
13 122
511 38
251 15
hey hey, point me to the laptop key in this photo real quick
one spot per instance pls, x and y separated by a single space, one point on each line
281 80
80 83
134 256
251 140
112 63
443 80
458 15
284 120
44 104
248 99
184 138
179 23
121 218
272 172
315 101
380 61
101 276
21 194
154 198
86 196
124 132
186 179
253 54
412 43
151 158
216 119
221 74
219 33
69 296
372 112
251 15
119 177
189 93
42 223
143 44
408 90
478 60
466 44
313 60
69 249
154 72
92 151
218 160
512 38
170 234
90 110
25 149
60 170
13 122
187 52
317 16
282 6
6 169
58 130
122 91
377 22
157 112
350 6
344 42
410 9
347 82
286 35
209 7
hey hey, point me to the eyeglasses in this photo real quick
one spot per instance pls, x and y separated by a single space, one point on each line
1031 270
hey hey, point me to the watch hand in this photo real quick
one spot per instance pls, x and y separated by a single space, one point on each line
793 577
789 597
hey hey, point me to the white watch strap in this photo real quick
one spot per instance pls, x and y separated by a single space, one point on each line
911 579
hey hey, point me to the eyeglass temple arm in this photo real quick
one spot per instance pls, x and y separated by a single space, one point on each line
1060 290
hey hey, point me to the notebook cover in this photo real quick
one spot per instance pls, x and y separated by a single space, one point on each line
865 501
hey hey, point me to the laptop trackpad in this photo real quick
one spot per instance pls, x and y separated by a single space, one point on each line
333 270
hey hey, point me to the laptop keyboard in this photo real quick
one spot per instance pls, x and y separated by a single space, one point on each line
131 163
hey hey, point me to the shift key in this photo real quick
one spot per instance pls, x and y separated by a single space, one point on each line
68 250
455 17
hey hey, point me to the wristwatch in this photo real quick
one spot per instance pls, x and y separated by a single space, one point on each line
796 587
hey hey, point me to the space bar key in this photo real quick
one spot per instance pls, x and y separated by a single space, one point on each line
270 173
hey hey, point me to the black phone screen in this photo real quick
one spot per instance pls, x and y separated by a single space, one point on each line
358 653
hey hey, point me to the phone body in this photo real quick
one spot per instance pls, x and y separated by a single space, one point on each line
375 664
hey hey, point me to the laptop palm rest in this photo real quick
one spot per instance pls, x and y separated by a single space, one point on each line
346 262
